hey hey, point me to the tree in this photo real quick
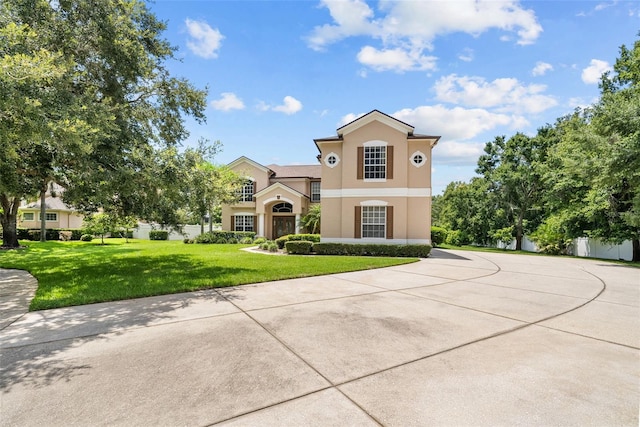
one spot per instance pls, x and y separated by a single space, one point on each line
513 168
35 108
208 186
118 152
311 221
471 209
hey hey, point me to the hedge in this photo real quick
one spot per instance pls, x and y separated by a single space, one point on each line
298 247
411 251
158 235
51 233
280 241
224 236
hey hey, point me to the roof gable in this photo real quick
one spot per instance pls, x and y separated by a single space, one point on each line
281 186
372 116
243 159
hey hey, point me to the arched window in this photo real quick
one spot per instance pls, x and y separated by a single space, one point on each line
283 207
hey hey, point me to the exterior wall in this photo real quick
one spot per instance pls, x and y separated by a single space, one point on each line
65 220
408 191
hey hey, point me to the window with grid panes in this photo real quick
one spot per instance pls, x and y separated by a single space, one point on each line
243 223
374 221
375 162
246 194
315 191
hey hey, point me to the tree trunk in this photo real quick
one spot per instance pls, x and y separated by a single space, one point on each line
43 210
519 233
636 249
9 220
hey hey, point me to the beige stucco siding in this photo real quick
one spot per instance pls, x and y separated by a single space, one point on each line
248 170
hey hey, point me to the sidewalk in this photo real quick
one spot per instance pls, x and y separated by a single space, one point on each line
17 289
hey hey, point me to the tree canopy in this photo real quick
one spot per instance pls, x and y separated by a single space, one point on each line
87 101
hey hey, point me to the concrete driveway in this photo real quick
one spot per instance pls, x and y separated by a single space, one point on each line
461 338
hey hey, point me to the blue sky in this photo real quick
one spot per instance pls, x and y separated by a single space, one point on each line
281 73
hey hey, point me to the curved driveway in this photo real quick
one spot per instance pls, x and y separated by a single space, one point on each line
460 338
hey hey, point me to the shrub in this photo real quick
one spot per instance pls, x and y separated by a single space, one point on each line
23 234
299 247
158 235
550 238
504 235
438 235
188 241
246 240
223 236
264 246
455 238
65 236
419 251
272 247
86 237
297 237
259 241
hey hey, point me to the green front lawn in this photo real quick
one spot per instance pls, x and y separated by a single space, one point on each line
76 273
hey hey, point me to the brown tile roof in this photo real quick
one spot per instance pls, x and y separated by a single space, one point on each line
296 171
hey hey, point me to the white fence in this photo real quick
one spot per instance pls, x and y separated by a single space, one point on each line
585 247
190 232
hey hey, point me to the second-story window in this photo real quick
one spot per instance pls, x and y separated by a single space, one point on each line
246 194
315 191
375 162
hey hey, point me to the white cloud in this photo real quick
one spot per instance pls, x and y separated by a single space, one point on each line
592 74
541 68
456 123
455 152
289 106
396 59
407 28
348 118
228 102
204 41
503 95
466 55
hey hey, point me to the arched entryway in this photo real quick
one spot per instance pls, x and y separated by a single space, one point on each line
283 220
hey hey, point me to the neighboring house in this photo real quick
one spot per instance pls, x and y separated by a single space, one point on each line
376 182
57 213
376 187
273 199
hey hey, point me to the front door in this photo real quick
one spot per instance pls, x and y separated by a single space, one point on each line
283 225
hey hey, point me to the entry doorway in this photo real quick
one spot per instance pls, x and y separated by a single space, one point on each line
283 225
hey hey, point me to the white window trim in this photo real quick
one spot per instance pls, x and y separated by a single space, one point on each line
235 222
384 224
311 185
55 214
424 159
374 144
326 160
33 216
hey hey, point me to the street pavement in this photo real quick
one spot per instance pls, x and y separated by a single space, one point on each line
457 339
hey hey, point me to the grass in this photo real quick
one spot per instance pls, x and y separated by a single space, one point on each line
470 248
76 273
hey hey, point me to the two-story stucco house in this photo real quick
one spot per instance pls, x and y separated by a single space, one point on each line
376 182
373 181
273 199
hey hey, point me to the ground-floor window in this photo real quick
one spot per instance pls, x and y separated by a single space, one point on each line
243 223
374 220
27 216
51 216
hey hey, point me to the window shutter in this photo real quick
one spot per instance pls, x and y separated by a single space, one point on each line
233 223
390 162
389 222
360 171
358 223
